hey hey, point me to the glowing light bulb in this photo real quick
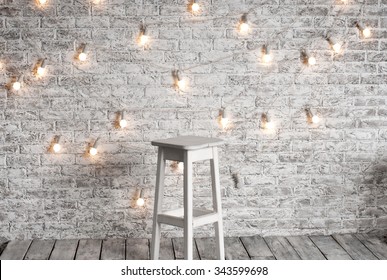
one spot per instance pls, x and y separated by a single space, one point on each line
195 7
123 123
16 85
181 83
366 32
267 58
180 166
82 56
93 151
144 39
311 60
56 147
42 2
244 27
41 71
224 122
315 119
336 47
140 202
269 125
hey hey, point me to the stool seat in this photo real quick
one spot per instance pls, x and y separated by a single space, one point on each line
188 149
188 142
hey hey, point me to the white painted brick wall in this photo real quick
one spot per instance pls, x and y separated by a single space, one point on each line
300 179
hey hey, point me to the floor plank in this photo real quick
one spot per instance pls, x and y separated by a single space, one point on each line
64 249
178 247
257 248
89 249
15 250
330 248
375 244
206 248
305 248
40 250
137 249
234 249
113 249
166 249
281 248
354 247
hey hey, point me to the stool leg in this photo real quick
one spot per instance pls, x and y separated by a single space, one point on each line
216 200
188 212
159 193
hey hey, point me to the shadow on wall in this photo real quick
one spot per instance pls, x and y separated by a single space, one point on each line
373 192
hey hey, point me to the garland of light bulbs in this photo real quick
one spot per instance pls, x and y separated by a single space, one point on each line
143 39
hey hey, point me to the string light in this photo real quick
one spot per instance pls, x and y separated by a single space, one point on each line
82 55
366 32
17 84
224 118
180 82
311 117
93 150
266 56
243 24
143 38
57 147
123 122
41 70
308 58
266 121
195 7
180 166
336 45
140 200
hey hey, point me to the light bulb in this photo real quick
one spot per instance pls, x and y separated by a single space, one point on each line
336 47
40 72
195 7
366 32
123 123
267 58
144 39
82 56
269 125
181 83
244 27
16 85
140 202
93 151
42 2
311 60
57 147
224 122
180 166
315 119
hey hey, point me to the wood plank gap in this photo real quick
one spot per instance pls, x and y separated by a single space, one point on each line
25 254
197 250
267 244
245 247
76 250
49 256
311 240
16 250
366 241
125 250
354 247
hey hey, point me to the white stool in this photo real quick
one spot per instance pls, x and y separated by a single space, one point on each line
187 149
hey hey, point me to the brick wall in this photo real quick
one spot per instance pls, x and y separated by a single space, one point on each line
299 178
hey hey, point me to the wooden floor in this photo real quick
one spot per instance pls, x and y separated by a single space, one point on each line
331 247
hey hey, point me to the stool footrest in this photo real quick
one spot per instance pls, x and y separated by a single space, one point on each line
176 217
